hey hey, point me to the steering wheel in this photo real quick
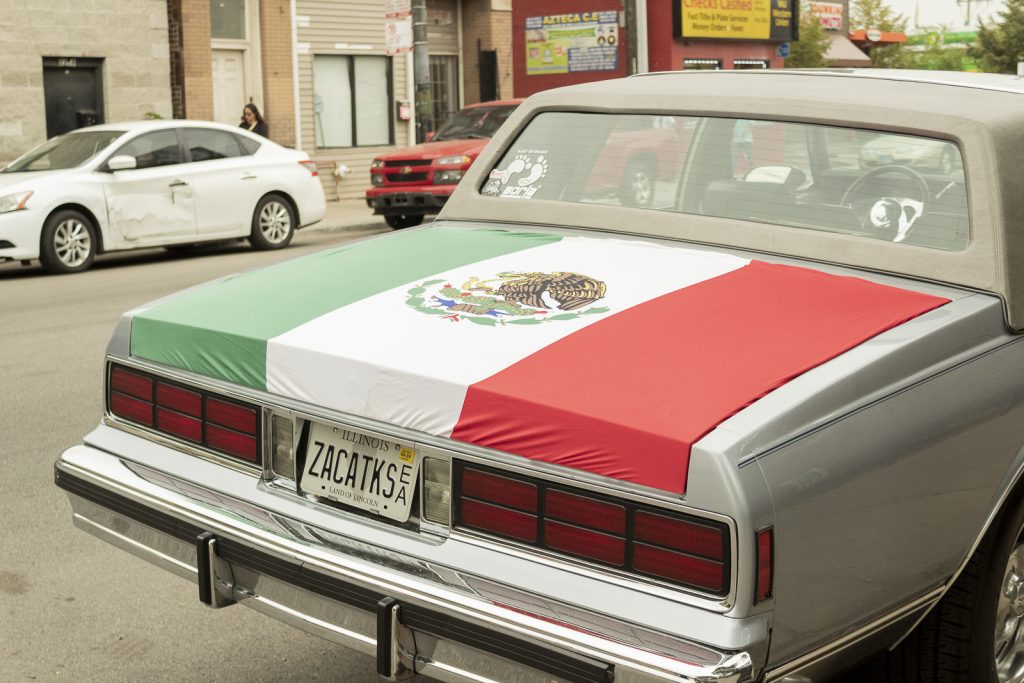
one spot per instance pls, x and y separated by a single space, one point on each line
889 217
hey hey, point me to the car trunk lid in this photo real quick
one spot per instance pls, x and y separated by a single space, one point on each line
607 355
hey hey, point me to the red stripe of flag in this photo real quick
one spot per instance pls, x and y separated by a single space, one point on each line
628 396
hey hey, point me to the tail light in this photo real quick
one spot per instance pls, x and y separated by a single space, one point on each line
765 564
310 166
672 547
188 414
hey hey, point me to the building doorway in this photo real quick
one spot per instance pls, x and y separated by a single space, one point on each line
228 85
72 93
235 52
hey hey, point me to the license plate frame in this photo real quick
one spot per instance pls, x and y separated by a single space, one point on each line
381 479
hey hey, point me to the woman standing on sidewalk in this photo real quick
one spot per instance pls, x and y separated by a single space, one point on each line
253 121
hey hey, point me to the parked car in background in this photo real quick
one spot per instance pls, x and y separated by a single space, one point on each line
414 182
762 426
152 184
892 149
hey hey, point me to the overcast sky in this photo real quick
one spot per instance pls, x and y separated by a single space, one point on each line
951 13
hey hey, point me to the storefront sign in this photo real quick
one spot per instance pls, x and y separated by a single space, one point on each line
567 43
830 14
773 20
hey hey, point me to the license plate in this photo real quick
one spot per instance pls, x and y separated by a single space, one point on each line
361 470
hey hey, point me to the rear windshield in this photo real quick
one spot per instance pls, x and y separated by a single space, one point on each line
897 188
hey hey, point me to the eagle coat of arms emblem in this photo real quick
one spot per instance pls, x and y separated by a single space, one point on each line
528 298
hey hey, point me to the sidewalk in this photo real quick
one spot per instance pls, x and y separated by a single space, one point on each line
346 214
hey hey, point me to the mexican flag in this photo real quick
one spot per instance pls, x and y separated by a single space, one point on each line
608 355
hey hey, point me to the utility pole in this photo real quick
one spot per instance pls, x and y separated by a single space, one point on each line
629 7
421 70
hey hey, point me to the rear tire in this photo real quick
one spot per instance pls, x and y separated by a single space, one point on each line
403 221
638 184
976 632
68 242
273 223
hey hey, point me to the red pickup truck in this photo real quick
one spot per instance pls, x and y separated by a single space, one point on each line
411 183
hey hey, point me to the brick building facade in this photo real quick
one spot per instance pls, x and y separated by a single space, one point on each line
355 100
567 43
61 68
319 71
227 54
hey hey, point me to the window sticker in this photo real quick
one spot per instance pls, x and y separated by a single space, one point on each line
521 178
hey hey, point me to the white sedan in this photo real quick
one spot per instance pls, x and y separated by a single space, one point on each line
152 184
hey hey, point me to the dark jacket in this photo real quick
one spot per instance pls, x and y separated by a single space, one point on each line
260 128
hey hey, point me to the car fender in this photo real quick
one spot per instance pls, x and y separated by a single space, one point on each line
862 466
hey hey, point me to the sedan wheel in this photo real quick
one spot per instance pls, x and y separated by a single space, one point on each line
273 223
68 243
1009 639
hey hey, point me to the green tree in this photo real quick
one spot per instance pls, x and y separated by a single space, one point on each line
1000 45
809 52
876 14
936 55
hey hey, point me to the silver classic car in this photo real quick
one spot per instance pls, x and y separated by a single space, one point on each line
674 389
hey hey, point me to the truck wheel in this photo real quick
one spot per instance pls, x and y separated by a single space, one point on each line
403 221
68 242
976 632
273 223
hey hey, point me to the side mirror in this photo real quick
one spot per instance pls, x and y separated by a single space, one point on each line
122 162
429 136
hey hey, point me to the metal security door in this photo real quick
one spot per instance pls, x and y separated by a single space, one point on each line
72 92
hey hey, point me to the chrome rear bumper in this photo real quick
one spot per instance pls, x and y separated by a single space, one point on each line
411 621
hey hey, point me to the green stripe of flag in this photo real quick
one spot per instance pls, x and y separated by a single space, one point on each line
222 330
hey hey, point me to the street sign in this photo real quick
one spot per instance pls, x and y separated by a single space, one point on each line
398 35
782 50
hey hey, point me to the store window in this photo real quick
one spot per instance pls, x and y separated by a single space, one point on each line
351 100
750 63
702 64
227 19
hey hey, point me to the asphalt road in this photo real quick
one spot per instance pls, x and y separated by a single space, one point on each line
73 608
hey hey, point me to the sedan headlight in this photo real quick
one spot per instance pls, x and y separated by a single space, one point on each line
14 202
451 161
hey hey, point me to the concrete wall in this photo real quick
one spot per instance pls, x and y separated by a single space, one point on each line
131 37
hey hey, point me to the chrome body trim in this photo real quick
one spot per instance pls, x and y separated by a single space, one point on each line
815 657
439 447
636 652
